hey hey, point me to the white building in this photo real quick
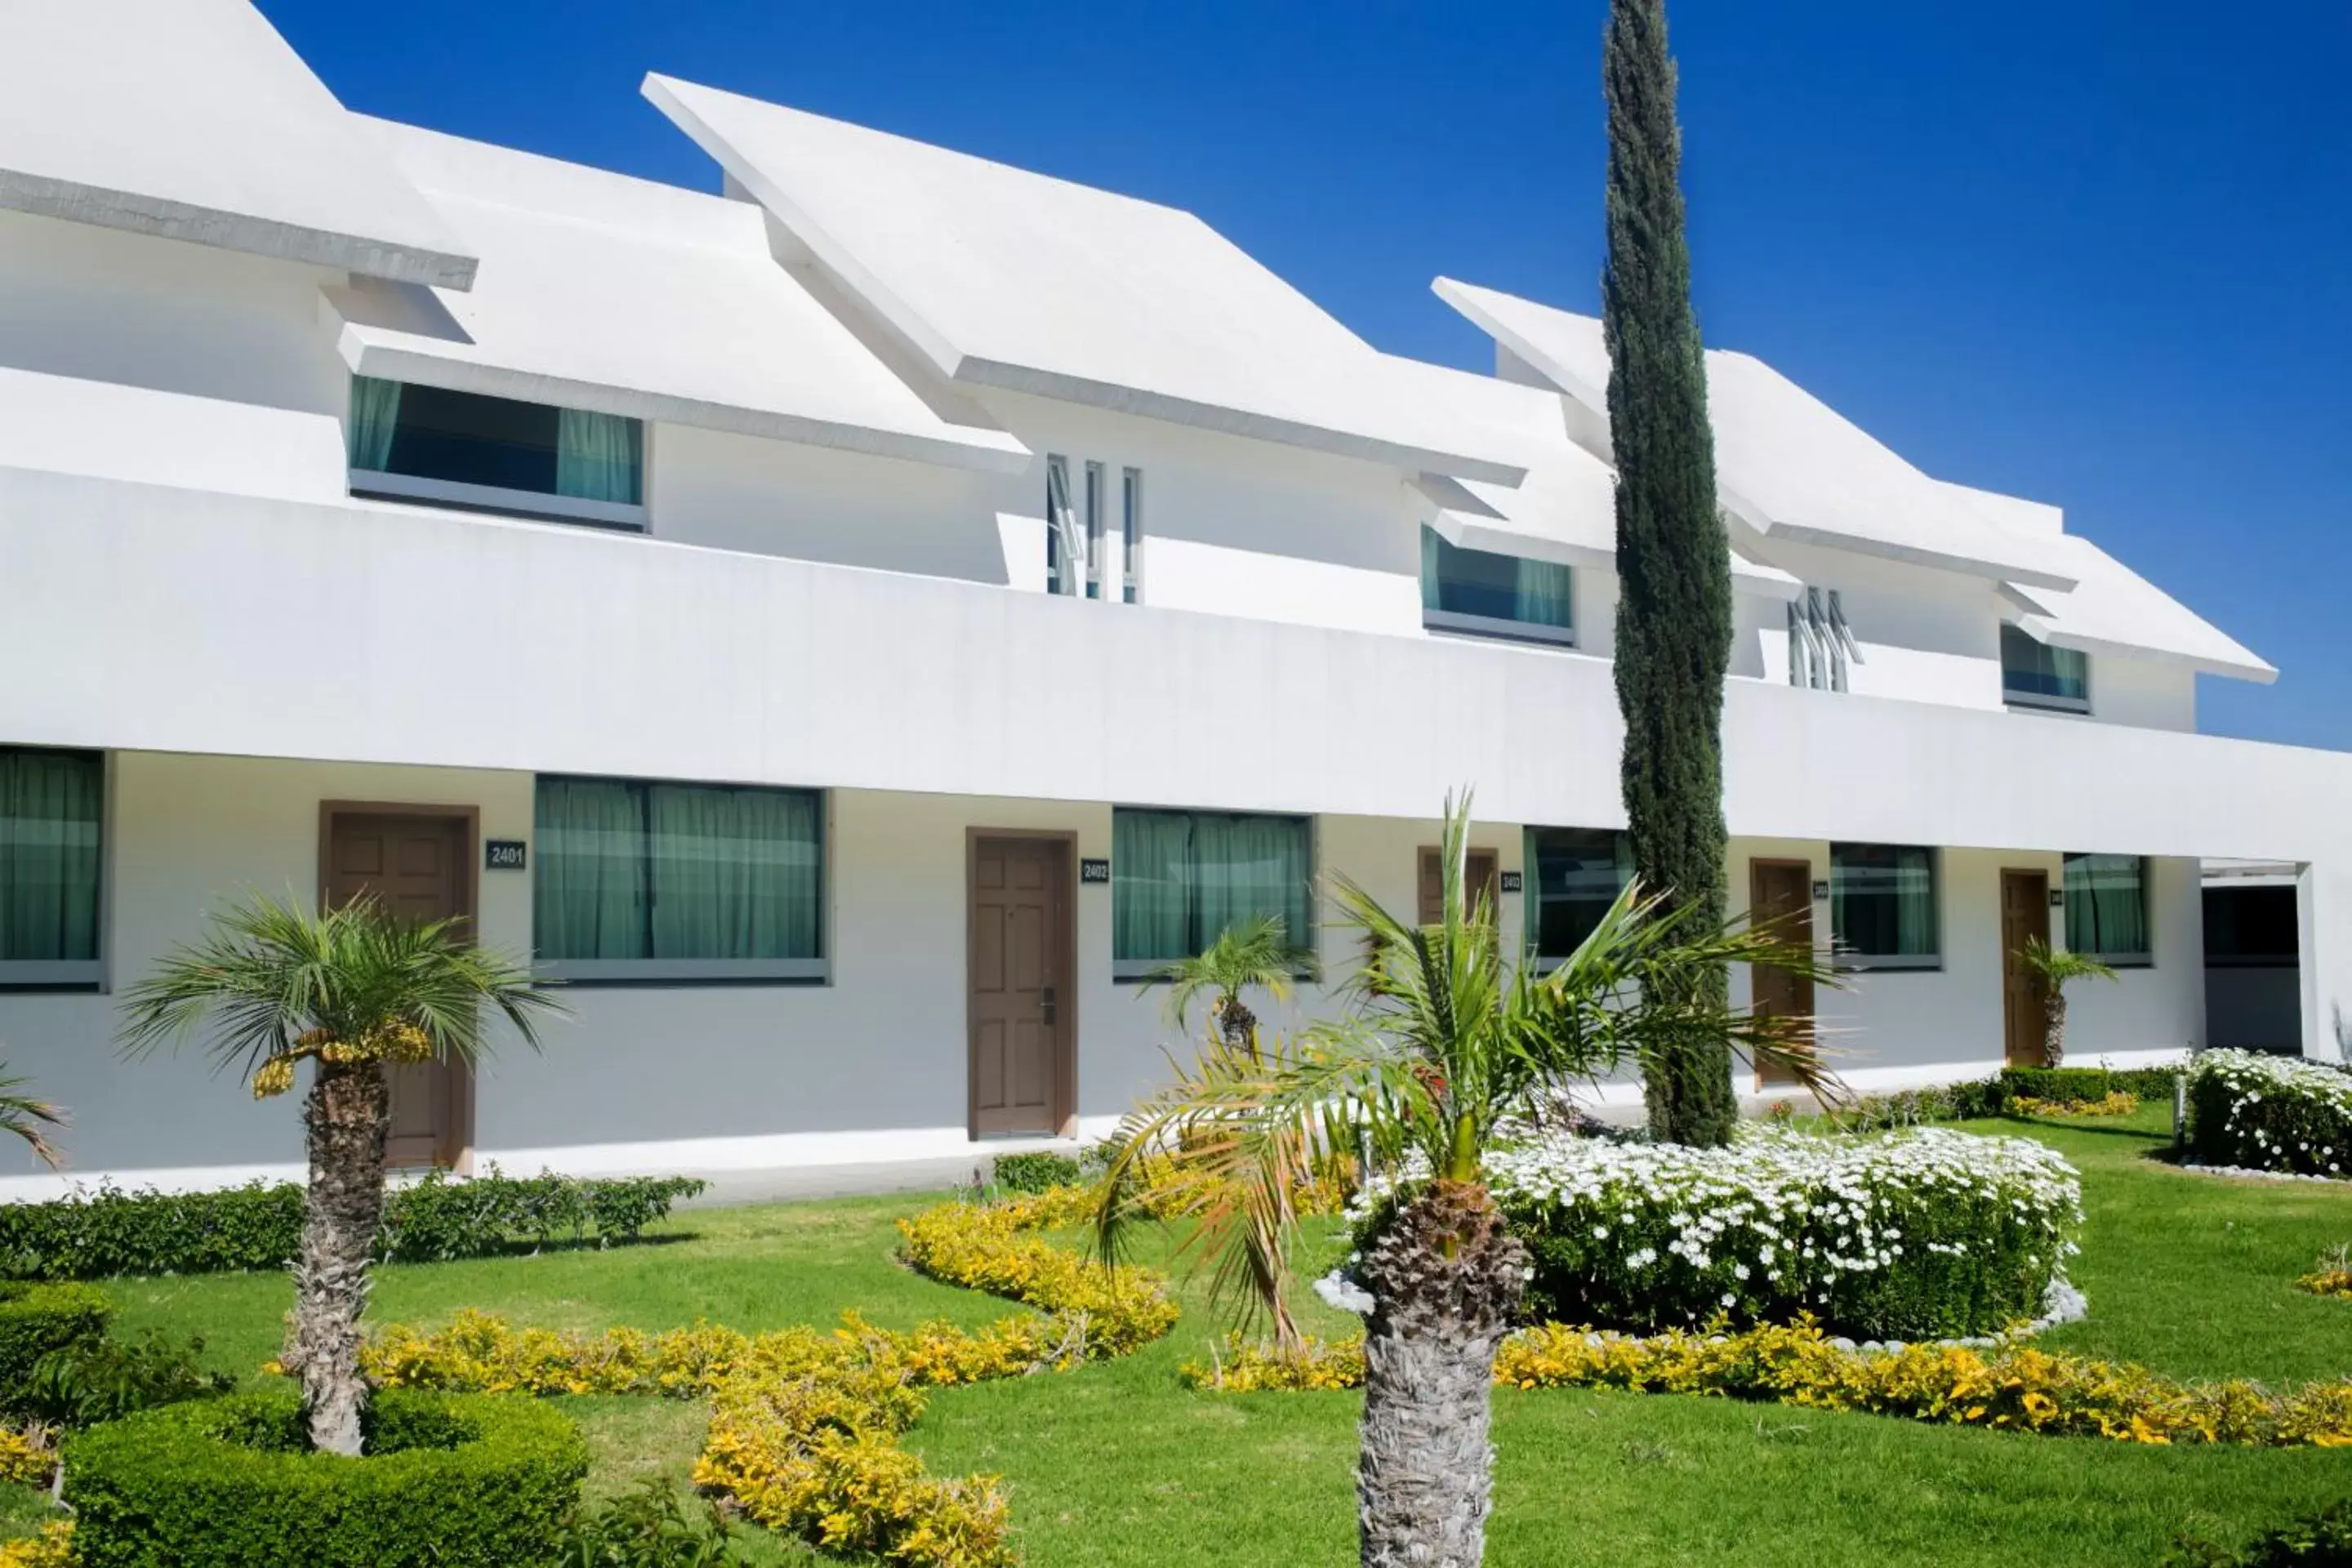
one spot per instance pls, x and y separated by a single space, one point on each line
850 626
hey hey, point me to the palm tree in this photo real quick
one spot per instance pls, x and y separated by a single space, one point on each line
1256 954
351 991
1445 1041
2058 967
29 1120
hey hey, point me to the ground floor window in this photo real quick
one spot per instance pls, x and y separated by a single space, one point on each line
2035 675
1504 595
1882 912
642 880
2107 908
1574 874
1180 877
51 803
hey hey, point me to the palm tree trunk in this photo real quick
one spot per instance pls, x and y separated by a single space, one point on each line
1445 1280
2054 1026
345 1115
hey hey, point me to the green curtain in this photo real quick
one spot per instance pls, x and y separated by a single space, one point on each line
1432 562
50 804
375 413
596 456
1150 853
734 872
2107 905
1883 900
588 895
1179 878
2031 667
1543 593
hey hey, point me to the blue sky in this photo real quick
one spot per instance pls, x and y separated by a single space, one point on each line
2092 252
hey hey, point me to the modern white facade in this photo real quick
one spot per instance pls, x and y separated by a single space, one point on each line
815 584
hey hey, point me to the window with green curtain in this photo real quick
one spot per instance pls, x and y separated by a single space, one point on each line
1180 877
1471 590
596 456
375 415
660 876
2037 675
51 807
1574 874
1882 910
401 430
2107 908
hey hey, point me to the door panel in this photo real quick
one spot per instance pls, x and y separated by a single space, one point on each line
1780 902
1019 1003
1483 878
2024 912
419 867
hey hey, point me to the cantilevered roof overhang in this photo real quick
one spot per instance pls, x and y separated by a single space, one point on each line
191 119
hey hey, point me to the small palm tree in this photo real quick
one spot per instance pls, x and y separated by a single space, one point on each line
2058 968
351 991
30 1119
1254 955
1446 1040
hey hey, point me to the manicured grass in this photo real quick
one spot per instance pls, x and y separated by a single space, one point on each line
1118 1464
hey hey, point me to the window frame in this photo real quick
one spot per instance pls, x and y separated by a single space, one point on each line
1500 628
379 484
1130 554
605 973
2146 913
1125 971
75 974
1847 960
1531 887
2037 702
1096 504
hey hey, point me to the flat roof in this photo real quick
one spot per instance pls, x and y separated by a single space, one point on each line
1787 464
192 120
1002 278
623 296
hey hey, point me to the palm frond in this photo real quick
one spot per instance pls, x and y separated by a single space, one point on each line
31 1119
1255 954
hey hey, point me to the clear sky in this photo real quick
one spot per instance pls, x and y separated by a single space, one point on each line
2095 252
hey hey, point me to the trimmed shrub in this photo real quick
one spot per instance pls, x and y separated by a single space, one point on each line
35 1319
225 1483
104 1379
106 1231
2062 1084
2270 1114
1036 1172
1915 1234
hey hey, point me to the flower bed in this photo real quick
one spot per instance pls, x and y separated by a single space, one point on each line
1924 1234
2271 1113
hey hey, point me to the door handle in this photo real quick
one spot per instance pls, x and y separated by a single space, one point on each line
1045 1001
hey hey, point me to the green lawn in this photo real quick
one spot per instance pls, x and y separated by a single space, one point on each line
1119 1465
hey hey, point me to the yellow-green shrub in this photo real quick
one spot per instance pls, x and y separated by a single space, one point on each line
2335 1282
2115 1102
28 1455
53 1548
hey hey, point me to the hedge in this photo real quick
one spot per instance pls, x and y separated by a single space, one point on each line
1040 1172
2270 1114
1924 1234
35 1319
106 1231
447 1482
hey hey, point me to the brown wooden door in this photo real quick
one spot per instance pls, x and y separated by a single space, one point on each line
1021 1000
420 868
1780 904
1484 878
2024 912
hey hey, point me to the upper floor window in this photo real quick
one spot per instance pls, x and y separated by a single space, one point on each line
1180 878
498 453
1494 595
2035 675
51 803
1131 553
2107 908
1882 910
640 880
1574 874
1821 648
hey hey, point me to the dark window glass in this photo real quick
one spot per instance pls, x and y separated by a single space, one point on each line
2251 927
50 804
1883 901
474 440
2032 671
1574 874
2107 906
1495 587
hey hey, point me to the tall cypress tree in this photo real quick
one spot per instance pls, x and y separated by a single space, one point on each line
1673 619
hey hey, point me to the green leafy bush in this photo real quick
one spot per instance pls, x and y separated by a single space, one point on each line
37 1320
651 1527
1036 1172
2323 1540
2151 1084
1924 1234
448 1481
106 1231
2270 1114
103 1379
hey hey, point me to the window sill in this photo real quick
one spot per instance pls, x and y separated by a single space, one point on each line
1496 628
1856 964
52 975
372 483
618 972
2079 707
